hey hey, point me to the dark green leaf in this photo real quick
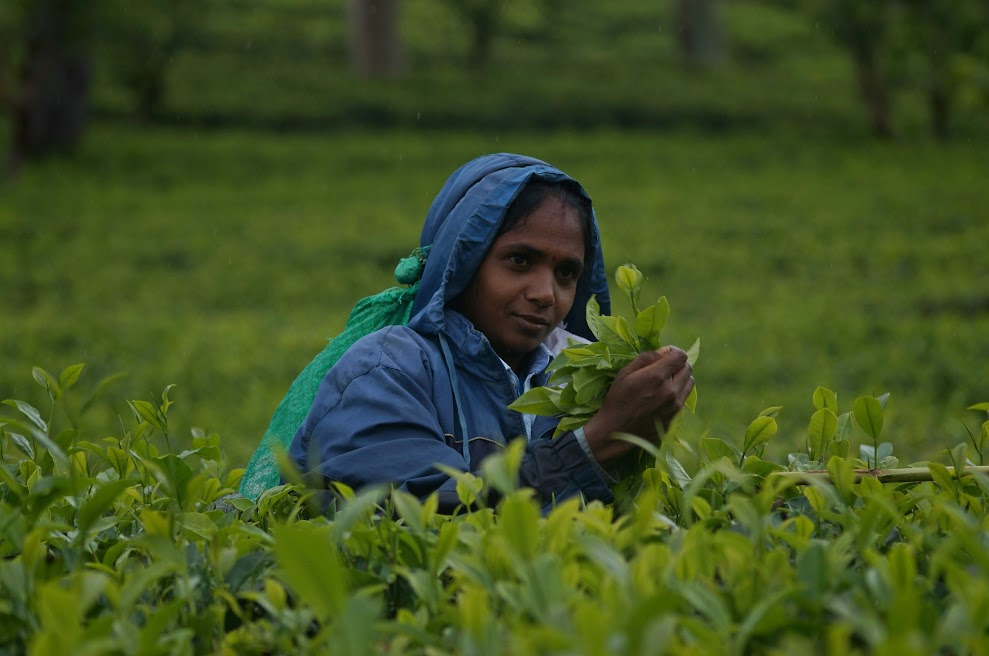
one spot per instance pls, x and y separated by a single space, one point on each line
99 502
69 376
100 390
47 381
813 571
30 412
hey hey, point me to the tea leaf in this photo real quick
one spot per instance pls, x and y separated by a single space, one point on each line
310 563
760 431
823 426
691 400
649 323
868 415
69 376
813 571
30 412
629 280
519 524
543 401
98 503
97 394
694 352
48 382
677 472
717 448
942 476
143 410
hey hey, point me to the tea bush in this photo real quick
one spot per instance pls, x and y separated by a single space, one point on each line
115 544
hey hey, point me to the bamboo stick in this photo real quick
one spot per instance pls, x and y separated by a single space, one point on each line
905 475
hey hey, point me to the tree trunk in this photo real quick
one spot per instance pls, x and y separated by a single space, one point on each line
51 92
875 94
375 46
700 36
484 18
940 108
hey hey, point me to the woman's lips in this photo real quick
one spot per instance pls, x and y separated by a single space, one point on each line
532 321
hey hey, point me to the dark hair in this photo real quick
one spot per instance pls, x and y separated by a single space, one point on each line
536 192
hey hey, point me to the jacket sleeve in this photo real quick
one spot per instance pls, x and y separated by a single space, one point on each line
560 468
374 420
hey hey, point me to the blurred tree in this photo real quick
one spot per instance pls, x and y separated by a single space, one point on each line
482 19
863 29
946 35
700 34
142 37
45 68
374 41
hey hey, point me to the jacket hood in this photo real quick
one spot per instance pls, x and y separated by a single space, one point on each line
464 221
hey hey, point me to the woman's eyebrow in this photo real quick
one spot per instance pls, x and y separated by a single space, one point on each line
531 251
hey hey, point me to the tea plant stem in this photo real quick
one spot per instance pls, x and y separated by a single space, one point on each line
905 475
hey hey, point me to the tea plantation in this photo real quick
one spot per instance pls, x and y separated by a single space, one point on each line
123 545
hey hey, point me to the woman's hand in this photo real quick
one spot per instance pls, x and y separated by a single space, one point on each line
649 390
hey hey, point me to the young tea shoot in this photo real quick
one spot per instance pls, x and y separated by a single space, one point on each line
582 374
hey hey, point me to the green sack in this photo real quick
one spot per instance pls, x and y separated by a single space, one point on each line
391 307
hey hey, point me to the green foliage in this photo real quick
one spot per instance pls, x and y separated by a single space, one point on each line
115 546
582 374
223 262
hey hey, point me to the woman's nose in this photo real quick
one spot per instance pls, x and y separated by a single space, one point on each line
541 289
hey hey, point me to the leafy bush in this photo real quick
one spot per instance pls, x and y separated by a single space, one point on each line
114 545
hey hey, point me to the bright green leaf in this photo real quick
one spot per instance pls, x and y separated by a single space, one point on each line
629 280
825 398
520 524
649 323
694 352
760 431
543 401
310 562
868 415
691 400
823 426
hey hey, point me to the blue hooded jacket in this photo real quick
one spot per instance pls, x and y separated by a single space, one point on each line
406 398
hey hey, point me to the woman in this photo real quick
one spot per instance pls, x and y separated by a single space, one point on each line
514 254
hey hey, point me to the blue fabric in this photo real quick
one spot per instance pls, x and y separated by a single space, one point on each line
389 410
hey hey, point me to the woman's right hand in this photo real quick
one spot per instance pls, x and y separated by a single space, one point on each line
649 391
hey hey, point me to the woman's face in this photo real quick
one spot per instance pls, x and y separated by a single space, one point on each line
526 283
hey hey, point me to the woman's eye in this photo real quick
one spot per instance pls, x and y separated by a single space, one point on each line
518 259
569 273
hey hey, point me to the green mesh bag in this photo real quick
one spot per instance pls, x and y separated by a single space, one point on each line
391 307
